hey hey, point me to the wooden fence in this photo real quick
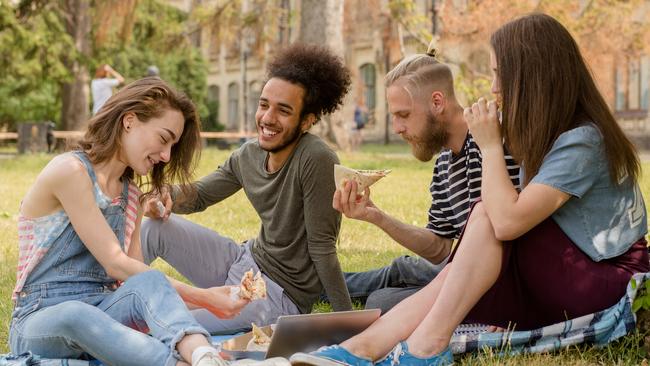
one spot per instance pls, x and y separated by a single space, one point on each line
34 140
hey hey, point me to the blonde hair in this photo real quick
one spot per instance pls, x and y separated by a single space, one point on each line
423 72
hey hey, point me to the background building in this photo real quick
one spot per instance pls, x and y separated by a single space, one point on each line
376 34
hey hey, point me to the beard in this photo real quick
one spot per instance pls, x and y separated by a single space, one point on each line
432 139
288 140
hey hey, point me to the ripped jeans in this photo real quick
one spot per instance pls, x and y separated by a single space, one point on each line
138 323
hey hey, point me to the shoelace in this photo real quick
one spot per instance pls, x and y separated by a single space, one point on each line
216 359
325 348
395 354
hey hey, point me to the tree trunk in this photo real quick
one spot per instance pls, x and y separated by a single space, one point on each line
74 111
321 22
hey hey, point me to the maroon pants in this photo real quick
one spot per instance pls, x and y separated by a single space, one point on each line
546 279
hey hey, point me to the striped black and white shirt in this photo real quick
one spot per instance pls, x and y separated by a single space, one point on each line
456 184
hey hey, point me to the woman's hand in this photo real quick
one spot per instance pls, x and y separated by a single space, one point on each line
483 123
217 300
159 206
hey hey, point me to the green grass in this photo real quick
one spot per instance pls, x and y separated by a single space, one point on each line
404 194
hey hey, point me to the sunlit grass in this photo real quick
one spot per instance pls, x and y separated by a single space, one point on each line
403 194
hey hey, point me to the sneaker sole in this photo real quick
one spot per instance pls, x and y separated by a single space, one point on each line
303 359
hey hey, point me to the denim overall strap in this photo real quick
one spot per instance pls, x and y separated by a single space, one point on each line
69 261
102 200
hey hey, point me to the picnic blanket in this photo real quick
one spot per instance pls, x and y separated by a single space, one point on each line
599 329
29 359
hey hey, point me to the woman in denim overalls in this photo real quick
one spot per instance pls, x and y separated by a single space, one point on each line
79 234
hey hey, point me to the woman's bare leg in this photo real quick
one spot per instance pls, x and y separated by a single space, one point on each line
189 343
428 318
476 267
397 324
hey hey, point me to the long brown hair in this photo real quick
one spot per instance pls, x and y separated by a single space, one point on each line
548 89
147 98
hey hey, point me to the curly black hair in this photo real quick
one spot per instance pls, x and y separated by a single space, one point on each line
318 70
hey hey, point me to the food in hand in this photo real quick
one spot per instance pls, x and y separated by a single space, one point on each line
260 340
252 287
161 208
364 178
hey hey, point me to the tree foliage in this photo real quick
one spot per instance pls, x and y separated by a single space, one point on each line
612 28
127 34
156 37
604 26
229 21
31 68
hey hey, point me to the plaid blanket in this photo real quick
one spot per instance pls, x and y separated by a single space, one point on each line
29 359
599 328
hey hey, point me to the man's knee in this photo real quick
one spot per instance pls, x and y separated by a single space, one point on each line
401 265
149 228
412 271
385 299
151 231
376 301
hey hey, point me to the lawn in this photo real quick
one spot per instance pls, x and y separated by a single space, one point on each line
404 194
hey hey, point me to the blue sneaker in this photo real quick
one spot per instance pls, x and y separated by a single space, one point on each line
330 356
400 356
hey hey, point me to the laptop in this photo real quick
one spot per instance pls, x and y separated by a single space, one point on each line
307 332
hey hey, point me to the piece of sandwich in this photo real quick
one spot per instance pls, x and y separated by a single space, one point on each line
252 287
364 178
260 340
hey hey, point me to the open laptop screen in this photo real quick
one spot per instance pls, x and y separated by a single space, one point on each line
308 332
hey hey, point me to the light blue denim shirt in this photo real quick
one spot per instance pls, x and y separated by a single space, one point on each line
602 218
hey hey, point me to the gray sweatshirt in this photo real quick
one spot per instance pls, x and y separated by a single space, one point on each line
296 245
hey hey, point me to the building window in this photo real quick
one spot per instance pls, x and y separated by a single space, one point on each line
368 77
645 81
632 82
254 92
284 24
620 89
213 93
233 106
211 122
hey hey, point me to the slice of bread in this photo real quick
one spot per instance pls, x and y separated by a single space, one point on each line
364 178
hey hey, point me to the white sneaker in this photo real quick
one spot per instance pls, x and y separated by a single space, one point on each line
210 359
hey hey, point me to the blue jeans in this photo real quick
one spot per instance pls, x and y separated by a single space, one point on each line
59 321
385 287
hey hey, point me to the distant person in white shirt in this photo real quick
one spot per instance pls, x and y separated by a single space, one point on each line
102 85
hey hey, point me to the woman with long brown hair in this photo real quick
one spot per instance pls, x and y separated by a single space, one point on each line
80 287
564 246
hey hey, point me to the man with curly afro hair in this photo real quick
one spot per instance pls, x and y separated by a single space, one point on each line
287 174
